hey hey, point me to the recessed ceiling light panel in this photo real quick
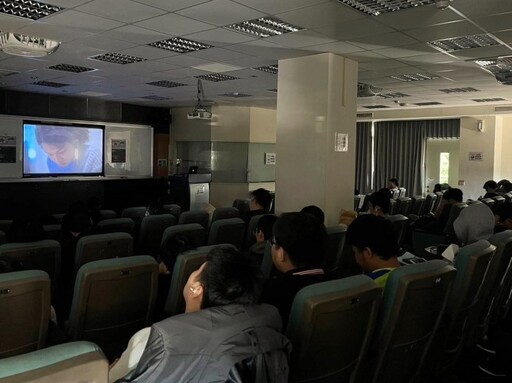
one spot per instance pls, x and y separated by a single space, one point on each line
28 9
267 68
117 58
393 95
264 27
235 95
166 84
458 90
376 7
180 45
455 44
375 106
428 103
50 84
414 77
155 98
71 68
216 77
489 99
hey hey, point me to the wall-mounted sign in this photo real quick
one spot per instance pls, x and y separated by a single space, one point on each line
270 158
7 149
340 142
118 151
476 156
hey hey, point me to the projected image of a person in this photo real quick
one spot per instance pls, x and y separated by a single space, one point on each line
68 151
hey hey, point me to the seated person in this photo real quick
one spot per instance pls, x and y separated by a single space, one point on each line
375 246
503 218
315 211
379 204
298 251
491 189
393 184
450 197
504 186
224 335
259 204
263 233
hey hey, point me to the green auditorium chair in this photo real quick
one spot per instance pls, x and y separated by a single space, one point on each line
403 205
224 213
117 225
82 362
330 327
400 224
135 213
230 230
335 243
194 232
102 246
112 300
250 239
173 209
3 237
25 311
107 214
39 255
186 263
151 232
195 216
414 300
266 263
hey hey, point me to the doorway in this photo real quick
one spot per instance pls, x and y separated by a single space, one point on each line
441 162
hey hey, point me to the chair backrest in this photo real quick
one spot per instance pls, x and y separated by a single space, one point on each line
102 246
392 206
395 193
224 213
243 205
250 239
39 255
117 225
195 216
135 213
186 263
107 214
3 237
330 327
53 231
401 192
230 230
151 231
25 311
508 197
266 263
68 362
404 205
173 209
400 224
438 200
428 205
498 201
357 201
194 231
113 299
489 202
414 299
417 205
335 242
454 213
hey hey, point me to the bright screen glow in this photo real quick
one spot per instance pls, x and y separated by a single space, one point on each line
62 150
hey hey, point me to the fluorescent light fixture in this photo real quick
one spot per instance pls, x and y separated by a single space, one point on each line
180 45
414 77
264 27
393 95
17 44
455 44
117 58
155 98
166 84
71 68
50 84
235 95
458 90
376 7
495 99
272 69
28 9
216 77
428 103
375 106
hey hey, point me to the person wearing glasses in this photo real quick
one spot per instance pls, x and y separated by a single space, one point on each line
299 245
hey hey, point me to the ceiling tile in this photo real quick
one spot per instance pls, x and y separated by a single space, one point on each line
214 12
387 40
130 12
273 7
300 39
217 68
173 5
174 25
477 8
217 54
134 34
338 47
413 18
75 20
354 28
495 23
444 31
219 37
411 50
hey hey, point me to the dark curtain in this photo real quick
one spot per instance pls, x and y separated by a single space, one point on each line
400 150
363 157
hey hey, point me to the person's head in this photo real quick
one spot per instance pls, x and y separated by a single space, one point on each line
502 182
264 227
379 204
393 183
437 188
171 249
61 144
453 195
505 186
386 191
504 216
299 240
260 199
315 211
373 241
227 277
490 186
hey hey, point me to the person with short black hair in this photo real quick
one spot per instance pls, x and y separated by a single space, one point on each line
375 246
260 201
262 234
393 184
491 189
315 211
223 333
298 250
379 204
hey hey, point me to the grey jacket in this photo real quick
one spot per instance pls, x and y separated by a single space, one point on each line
232 343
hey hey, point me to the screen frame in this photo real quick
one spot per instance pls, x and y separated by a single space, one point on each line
62 124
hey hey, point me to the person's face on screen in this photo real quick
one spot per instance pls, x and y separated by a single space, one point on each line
61 154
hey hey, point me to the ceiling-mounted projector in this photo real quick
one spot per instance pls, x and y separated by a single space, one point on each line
199 114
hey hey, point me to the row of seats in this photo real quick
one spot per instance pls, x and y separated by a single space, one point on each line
346 330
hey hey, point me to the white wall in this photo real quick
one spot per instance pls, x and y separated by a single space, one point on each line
506 149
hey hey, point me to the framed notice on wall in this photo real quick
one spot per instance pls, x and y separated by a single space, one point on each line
7 149
118 151
476 156
270 158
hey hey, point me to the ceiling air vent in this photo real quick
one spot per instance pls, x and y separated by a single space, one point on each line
28 9
70 68
455 44
272 69
428 103
155 98
117 58
264 27
166 84
375 106
394 95
180 45
414 77
364 116
216 77
458 90
50 84
500 67
376 7
489 99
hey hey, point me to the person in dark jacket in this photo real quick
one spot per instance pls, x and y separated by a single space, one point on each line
224 335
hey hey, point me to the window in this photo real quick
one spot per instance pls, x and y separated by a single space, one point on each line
444 167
